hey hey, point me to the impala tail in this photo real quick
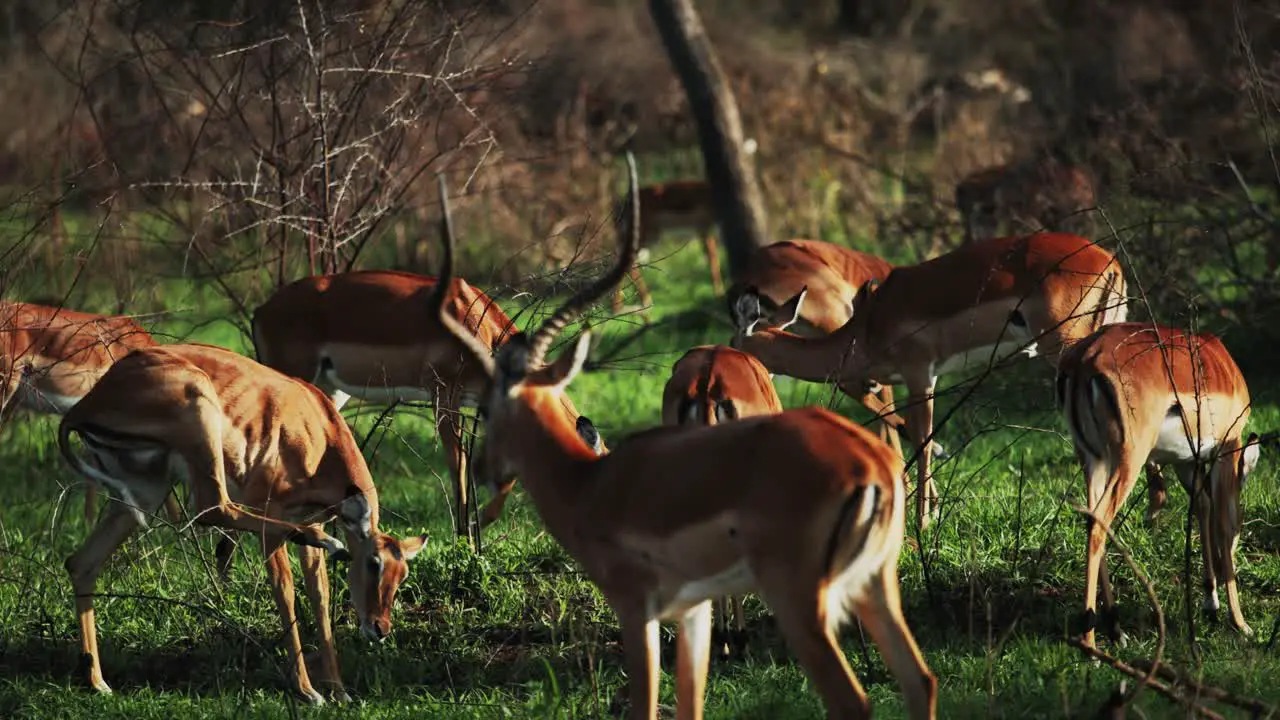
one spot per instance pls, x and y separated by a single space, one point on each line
102 442
1112 306
1092 407
868 533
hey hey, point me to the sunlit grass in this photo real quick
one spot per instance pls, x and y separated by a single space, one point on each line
516 632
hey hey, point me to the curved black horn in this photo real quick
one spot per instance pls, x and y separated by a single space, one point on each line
444 280
630 247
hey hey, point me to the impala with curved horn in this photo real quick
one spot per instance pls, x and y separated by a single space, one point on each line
971 308
260 452
1136 393
804 507
373 334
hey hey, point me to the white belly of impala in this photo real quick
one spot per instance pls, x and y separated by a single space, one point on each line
735 580
381 394
985 356
1173 445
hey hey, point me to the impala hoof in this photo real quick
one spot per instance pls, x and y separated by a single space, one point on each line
310 696
341 697
1245 630
101 687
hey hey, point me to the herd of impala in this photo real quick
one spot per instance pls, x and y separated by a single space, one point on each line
802 506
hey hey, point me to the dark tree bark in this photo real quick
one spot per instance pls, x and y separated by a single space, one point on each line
743 222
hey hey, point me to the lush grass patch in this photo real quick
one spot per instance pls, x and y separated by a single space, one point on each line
516 632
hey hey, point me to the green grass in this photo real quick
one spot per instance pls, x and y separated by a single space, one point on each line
516 632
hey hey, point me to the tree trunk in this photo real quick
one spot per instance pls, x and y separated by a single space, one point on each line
739 204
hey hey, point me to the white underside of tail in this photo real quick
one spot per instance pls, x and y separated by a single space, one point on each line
113 468
850 585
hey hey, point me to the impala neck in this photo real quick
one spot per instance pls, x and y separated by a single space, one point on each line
543 448
815 359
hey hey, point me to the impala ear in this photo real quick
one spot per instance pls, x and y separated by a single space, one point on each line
1249 456
566 367
789 311
355 513
411 546
746 310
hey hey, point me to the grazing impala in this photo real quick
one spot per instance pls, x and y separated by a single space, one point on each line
829 276
260 452
1135 393
50 357
675 205
805 507
709 385
970 308
371 334
1042 193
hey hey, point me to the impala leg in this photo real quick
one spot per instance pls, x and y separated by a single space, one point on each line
920 427
1201 502
1225 528
640 648
1106 492
449 427
879 400
721 634
115 526
172 507
641 287
90 503
1207 518
692 658
493 509
225 554
739 623
881 613
803 621
713 260
1157 495
10 378
281 577
316 576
